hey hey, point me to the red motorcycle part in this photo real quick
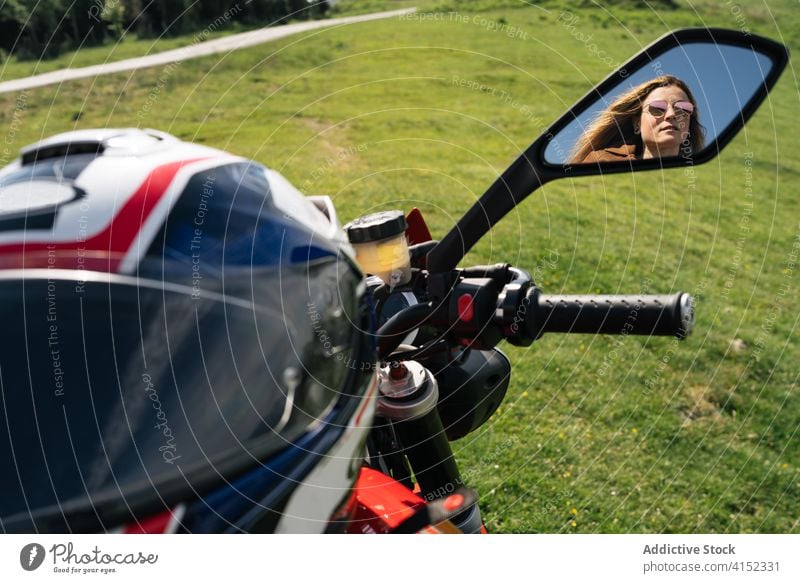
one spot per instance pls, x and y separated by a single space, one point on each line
417 230
382 503
441 513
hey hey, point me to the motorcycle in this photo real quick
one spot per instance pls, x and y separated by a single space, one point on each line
197 347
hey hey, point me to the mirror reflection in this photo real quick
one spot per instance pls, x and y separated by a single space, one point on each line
674 106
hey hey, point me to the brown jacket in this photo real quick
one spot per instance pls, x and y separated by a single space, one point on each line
620 154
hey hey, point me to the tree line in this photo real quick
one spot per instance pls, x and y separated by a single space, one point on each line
37 29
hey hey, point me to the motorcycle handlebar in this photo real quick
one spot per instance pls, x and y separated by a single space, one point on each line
537 313
648 315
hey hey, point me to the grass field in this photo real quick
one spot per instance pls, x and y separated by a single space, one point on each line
597 434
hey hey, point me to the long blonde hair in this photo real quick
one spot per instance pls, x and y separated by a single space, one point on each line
614 127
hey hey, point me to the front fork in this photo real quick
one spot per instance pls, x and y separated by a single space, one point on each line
408 394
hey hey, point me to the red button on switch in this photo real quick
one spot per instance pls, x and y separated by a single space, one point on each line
466 310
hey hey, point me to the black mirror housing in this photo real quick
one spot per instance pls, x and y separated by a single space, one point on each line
548 157
729 72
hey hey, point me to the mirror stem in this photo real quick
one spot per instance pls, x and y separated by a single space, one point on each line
511 188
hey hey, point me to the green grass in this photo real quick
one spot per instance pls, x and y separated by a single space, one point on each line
597 434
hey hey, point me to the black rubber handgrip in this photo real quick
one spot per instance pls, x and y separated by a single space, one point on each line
649 315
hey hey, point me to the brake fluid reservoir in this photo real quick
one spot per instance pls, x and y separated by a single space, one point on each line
379 240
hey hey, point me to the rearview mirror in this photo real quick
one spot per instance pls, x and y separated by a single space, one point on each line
680 100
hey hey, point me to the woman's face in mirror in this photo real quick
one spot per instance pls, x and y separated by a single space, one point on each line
663 124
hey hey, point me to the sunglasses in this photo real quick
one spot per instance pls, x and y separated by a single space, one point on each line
682 109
